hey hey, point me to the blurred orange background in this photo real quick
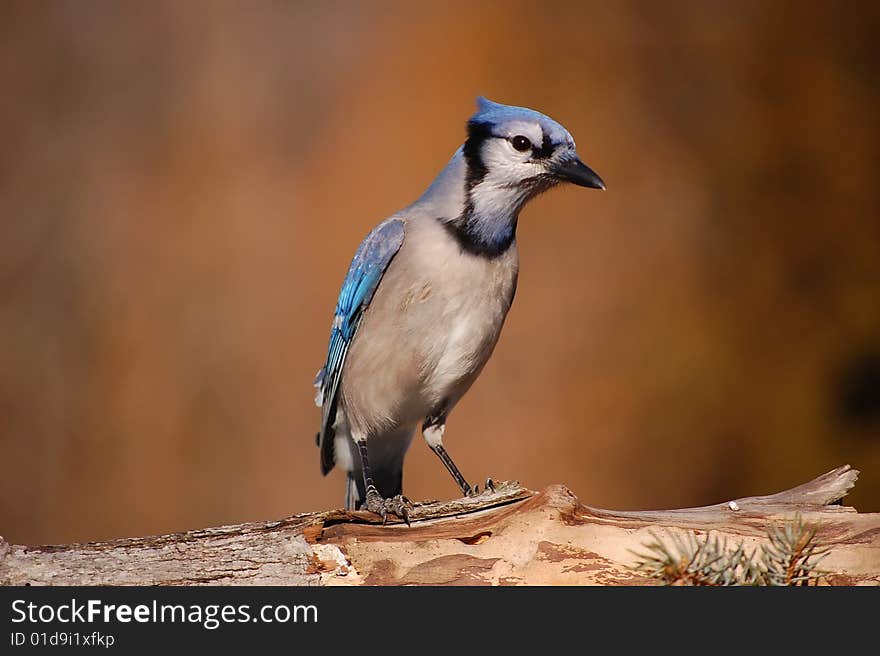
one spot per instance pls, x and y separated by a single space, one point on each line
182 186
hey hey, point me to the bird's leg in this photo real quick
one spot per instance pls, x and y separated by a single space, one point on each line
432 431
374 502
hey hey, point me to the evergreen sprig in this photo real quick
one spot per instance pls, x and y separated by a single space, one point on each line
789 557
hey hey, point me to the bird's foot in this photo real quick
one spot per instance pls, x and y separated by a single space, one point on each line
475 490
398 505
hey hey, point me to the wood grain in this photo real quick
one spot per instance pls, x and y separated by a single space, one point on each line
512 536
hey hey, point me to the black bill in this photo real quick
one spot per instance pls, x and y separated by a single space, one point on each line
576 172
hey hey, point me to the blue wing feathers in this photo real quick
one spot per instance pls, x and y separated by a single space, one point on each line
363 278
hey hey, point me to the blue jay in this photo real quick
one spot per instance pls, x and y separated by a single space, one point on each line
425 298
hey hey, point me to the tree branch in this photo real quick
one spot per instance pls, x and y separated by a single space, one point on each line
512 536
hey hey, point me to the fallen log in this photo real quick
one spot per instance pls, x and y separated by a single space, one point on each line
512 536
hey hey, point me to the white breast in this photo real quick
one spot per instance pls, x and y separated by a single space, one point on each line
473 294
468 344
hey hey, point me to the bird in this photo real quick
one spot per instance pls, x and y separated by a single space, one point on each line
424 301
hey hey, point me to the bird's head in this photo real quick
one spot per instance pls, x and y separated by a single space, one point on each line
520 152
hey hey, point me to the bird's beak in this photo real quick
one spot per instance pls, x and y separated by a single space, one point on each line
575 171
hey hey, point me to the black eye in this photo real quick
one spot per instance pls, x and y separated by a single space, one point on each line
521 143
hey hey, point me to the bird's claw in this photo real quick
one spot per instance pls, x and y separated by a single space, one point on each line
475 490
398 505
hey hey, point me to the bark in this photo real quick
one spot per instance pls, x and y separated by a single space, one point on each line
513 536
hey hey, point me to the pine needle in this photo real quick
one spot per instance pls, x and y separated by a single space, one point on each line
789 557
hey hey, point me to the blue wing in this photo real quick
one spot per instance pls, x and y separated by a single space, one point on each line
364 274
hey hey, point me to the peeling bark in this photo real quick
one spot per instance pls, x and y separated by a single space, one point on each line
512 536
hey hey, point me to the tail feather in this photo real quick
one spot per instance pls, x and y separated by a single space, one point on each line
354 492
